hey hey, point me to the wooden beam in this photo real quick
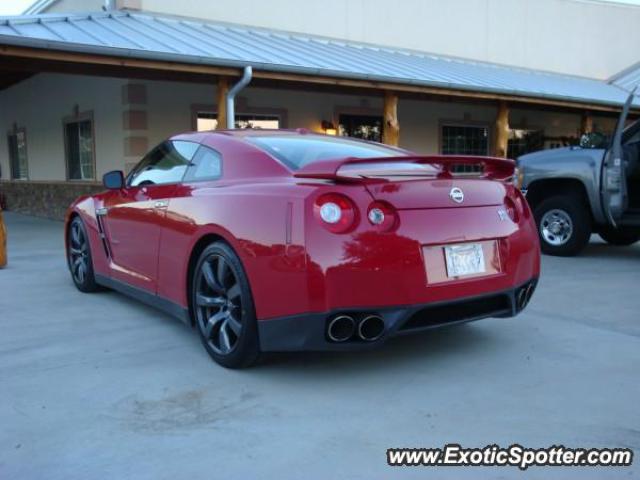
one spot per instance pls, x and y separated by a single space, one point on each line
223 89
435 91
89 60
502 130
391 128
587 123
126 62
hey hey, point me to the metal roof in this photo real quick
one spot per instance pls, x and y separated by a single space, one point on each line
158 37
627 78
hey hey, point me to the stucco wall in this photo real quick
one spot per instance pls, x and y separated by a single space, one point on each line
40 104
170 108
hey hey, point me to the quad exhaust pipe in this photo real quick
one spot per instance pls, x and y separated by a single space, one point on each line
524 295
341 328
345 327
371 328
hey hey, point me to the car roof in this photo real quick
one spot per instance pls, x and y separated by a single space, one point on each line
243 133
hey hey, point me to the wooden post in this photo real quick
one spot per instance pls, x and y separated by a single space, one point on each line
587 123
502 130
223 89
391 128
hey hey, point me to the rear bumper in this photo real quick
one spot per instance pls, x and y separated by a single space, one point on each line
308 332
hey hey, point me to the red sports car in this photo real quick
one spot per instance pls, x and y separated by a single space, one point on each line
290 240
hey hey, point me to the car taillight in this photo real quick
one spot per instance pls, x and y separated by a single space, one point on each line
512 211
336 212
383 216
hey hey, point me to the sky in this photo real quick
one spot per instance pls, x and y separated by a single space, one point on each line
16 7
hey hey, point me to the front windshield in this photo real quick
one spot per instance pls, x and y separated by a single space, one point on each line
296 151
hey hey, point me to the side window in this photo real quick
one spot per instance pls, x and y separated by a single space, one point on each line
79 149
18 155
167 163
464 140
207 165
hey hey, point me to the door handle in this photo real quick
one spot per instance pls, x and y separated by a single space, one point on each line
161 203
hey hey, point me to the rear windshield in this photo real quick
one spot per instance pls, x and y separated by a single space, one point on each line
296 151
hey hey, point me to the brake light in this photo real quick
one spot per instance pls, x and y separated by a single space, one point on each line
336 212
512 211
383 216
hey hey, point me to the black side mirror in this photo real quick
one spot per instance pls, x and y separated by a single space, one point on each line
113 180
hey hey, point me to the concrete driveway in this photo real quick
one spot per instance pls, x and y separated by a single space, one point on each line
101 387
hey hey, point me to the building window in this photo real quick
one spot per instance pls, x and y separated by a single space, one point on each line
209 121
78 136
18 154
522 141
366 127
465 140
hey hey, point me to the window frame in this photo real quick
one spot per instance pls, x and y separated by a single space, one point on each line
203 148
80 117
353 115
14 133
464 124
238 116
129 178
241 109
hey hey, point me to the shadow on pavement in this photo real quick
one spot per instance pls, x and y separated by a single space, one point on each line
429 349
603 250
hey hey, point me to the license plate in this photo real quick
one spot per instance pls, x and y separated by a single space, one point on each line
466 259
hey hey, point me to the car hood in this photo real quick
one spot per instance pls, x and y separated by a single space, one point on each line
559 154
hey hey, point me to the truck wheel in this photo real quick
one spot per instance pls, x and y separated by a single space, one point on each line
564 225
619 236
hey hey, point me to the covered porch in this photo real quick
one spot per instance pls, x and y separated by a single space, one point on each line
84 95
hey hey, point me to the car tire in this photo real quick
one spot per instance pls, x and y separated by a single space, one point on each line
223 308
564 225
79 257
619 236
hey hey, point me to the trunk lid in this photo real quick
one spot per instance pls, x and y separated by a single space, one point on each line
439 193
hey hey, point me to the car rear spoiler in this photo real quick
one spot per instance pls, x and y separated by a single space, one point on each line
447 166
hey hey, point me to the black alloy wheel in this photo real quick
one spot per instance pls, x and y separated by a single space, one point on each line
79 257
223 308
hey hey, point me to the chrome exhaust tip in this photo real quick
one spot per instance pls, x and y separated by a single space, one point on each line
371 328
521 298
530 290
341 328
524 295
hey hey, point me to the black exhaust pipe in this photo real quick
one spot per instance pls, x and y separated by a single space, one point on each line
371 328
341 328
